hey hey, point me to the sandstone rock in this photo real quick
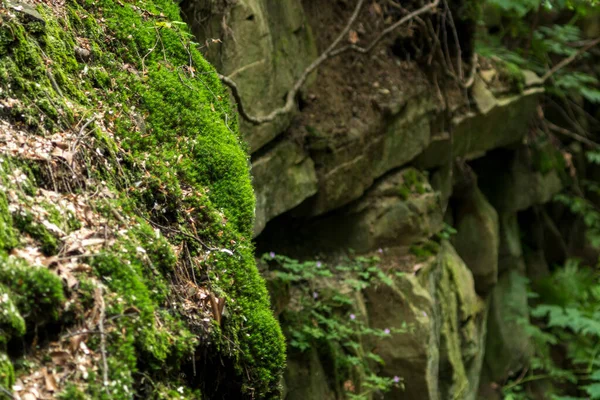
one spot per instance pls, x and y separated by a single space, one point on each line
462 316
531 78
441 355
265 46
441 182
283 178
476 133
510 252
477 238
399 210
413 355
483 97
305 378
508 347
367 152
512 183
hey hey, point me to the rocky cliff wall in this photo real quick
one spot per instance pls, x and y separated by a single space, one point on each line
381 158
127 214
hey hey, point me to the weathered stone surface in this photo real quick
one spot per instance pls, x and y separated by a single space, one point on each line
367 152
477 238
484 98
283 178
510 252
399 210
462 315
441 355
441 182
265 46
512 183
305 378
508 347
531 78
476 133
413 355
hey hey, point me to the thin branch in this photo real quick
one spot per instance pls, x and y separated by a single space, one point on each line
572 135
330 52
461 75
387 31
291 96
6 393
569 59
100 299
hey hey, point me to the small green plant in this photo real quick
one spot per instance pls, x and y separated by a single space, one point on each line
325 315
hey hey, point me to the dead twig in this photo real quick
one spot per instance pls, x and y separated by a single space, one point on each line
572 135
569 59
330 52
365 50
100 299
291 96
6 393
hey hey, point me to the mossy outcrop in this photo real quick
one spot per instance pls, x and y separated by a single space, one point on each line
127 212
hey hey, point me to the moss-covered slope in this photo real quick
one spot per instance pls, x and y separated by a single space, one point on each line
126 212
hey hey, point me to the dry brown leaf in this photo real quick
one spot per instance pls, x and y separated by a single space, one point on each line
66 155
49 381
376 9
60 357
92 242
417 267
29 396
131 310
75 341
353 37
67 276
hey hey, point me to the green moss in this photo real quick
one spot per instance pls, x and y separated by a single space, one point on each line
413 181
425 250
513 74
11 322
36 291
26 223
8 238
7 372
72 392
178 150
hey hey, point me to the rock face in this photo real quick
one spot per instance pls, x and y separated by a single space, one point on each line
283 177
399 210
441 356
305 378
477 238
351 168
413 356
463 317
513 182
508 347
262 45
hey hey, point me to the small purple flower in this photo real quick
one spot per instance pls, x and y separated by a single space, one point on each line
396 379
424 314
352 317
319 264
387 331
272 254
380 250
315 295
